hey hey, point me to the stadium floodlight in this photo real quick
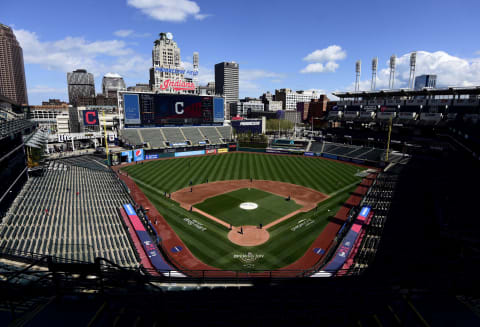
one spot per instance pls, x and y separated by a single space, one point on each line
374 73
413 61
391 81
358 70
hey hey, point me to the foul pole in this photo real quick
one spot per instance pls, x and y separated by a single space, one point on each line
389 133
105 134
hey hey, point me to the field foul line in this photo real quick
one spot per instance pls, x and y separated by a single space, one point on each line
343 189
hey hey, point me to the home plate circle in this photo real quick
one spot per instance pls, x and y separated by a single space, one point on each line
248 206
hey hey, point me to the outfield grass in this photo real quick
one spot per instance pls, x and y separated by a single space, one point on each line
227 207
288 240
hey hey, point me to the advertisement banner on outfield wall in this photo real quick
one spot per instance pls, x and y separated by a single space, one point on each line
211 151
223 150
189 153
309 154
127 154
138 155
151 156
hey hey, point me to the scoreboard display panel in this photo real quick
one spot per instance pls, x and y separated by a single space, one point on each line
177 109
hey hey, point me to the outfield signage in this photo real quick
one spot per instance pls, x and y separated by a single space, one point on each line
151 156
223 150
189 153
309 154
211 151
180 144
127 154
138 155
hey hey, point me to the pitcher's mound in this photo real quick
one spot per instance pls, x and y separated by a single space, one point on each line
251 236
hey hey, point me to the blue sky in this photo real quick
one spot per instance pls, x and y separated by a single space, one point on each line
300 45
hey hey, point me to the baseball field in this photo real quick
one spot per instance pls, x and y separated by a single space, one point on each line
216 203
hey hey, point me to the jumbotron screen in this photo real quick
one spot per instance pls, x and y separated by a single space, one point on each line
143 109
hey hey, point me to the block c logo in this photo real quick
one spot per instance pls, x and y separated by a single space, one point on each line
90 117
179 108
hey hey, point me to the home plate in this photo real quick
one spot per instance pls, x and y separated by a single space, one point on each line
248 206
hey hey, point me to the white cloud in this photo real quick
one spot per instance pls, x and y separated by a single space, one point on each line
169 10
46 89
130 33
330 53
450 70
320 68
123 33
70 53
324 60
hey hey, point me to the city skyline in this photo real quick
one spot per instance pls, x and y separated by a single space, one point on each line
318 52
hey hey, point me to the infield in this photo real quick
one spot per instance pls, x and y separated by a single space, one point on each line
207 239
227 207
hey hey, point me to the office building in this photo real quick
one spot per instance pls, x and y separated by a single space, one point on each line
425 81
290 98
12 70
167 75
209 89
111 83
140 87
227 82
245 106
80 85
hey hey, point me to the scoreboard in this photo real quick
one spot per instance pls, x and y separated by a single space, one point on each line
149 109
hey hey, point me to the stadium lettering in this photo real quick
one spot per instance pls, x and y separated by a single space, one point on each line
179 108
177 85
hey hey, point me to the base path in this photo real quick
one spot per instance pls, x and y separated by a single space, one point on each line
304 196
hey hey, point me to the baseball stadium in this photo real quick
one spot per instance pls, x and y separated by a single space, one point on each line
367 212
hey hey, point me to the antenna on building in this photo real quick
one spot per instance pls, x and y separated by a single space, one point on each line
391 81
413 61
374 73
358 70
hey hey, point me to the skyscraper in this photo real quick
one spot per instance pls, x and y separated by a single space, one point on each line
80 84
12 70
167 74
111 83
226 82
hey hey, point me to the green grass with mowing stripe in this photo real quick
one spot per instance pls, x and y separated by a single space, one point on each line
288 240
227 207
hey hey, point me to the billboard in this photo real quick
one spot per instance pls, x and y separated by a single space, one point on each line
250 125
138 155
132 108
218 110
90 117
189 153
172 109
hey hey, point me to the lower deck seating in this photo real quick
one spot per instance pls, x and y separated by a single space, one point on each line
70 212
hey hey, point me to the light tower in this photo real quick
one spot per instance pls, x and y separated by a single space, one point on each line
374 73
358 70
391 80
413 61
